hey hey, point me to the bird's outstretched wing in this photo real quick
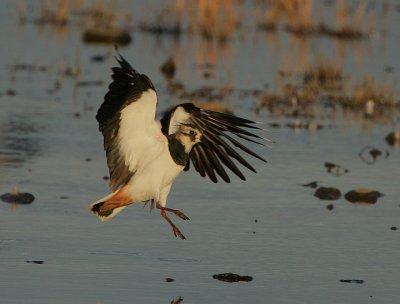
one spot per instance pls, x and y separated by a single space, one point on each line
216 150
127 120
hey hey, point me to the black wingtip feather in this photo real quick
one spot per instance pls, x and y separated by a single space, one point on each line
217 148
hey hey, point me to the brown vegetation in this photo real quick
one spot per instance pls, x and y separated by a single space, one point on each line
299 19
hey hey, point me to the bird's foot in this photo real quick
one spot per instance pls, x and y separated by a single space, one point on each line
180 214
174 211
175 229
178 233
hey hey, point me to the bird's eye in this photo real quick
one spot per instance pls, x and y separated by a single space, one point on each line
191 132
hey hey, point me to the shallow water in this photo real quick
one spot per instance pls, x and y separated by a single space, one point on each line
269 227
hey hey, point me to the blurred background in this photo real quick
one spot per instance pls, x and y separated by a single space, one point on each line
317 223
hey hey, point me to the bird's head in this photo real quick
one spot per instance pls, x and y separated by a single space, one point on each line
188 135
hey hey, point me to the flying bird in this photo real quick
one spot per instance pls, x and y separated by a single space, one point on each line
144 156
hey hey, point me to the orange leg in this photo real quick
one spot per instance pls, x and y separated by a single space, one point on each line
174 211
175 229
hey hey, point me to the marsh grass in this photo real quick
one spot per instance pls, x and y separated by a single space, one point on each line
102 24
217 19
350 25
212 19
301 18
166 20
369 95
325 75
325 84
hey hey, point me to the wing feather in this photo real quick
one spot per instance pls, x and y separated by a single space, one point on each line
127 121
218 148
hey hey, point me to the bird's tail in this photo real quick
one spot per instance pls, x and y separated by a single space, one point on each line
105 208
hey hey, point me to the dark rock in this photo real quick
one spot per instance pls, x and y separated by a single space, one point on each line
98 58
328 193
352 281
177 301
335 169
232 277
363 196
206 74
330 207
168 68
312 185
389 69
11 92
393 138
19 198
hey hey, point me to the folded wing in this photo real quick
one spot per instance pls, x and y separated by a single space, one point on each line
218 147
127 120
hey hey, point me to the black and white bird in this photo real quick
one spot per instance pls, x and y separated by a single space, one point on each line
145 156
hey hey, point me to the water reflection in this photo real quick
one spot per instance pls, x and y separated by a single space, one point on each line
19 141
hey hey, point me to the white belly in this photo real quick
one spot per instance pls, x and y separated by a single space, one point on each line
150 179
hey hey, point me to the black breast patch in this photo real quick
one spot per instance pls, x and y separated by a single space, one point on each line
177 151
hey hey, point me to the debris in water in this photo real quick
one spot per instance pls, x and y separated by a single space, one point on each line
177 301
275 125
363 196
352 281
393 138
330 207
169 280
312 185
232 277
19 198
11 92
394 228
168 68
35 262
335 169
107 35
389 69
99 57
372 152
328 193
86 83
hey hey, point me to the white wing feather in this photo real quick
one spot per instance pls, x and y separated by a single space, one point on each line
140 137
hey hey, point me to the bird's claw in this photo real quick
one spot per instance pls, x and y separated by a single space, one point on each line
178 233
151 204
181 215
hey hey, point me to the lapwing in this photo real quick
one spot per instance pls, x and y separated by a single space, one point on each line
144 156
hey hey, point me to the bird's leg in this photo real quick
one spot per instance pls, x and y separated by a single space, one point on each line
174 211
175 229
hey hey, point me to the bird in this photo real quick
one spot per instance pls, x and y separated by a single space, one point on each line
145 155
